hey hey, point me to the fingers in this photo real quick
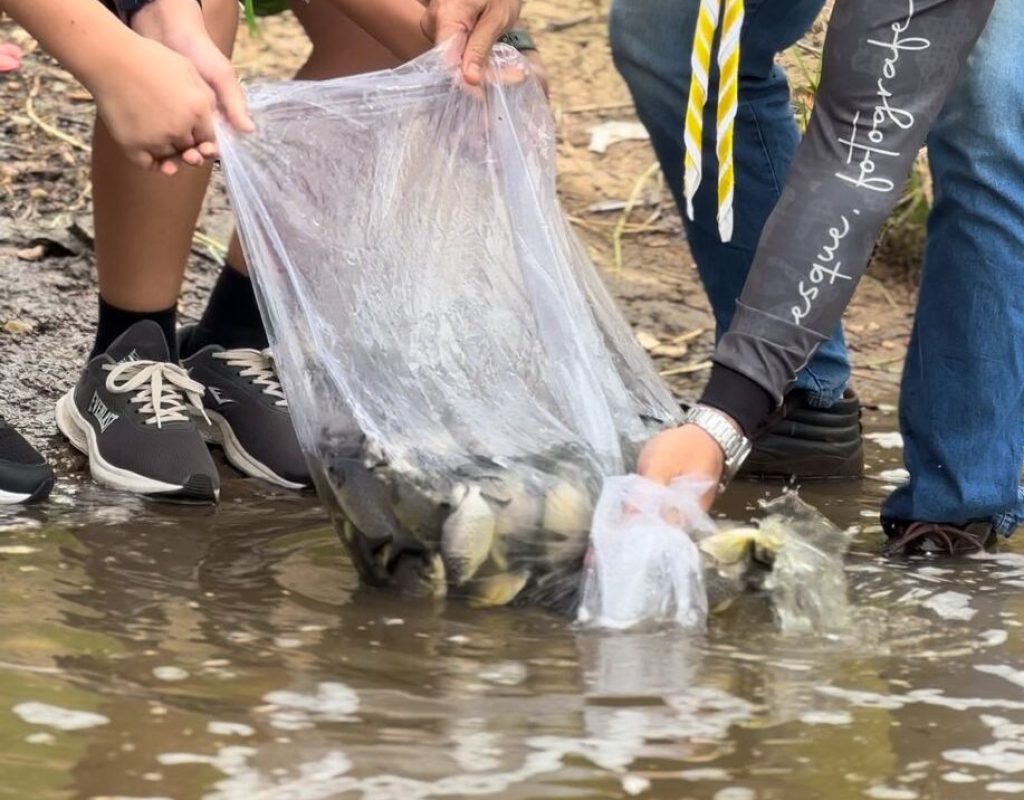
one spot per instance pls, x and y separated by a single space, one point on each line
491 24
205 135
193 157
231 99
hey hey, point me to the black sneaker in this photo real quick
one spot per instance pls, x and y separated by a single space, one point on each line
810 443
129 414
24 474
247 411
939 538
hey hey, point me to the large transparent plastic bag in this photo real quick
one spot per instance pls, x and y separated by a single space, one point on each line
459 377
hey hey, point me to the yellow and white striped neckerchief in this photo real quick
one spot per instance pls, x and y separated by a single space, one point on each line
730 14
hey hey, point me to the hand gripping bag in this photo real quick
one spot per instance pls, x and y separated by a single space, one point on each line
459 377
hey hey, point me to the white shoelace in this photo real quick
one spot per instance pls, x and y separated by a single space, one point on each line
258 365
163 390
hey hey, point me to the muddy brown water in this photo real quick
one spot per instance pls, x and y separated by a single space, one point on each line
149 651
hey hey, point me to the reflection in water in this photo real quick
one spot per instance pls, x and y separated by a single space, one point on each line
229 653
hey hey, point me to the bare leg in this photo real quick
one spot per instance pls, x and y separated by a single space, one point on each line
340 48
145 220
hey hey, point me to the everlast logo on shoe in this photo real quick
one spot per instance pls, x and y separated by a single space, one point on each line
104 416
132 356
218 395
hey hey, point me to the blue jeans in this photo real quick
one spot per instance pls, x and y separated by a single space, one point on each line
962 402
651 41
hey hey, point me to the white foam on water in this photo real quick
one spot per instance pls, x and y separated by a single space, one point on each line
951 605
40 738
287 642
1004 671
17 550
994 638
934 571
230 729
476 749
704 774
634 785
890 793
170 674
932 697
505 673
735 793
295 711
889 440
1005 787
897 475
392 621
958 777
1005 754
827 718
63 719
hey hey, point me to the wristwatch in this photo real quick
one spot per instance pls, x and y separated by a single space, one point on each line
518 38
735 446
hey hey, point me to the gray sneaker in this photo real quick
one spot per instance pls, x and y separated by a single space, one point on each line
248 413
130 414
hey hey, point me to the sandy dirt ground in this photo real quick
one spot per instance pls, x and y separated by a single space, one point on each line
47 294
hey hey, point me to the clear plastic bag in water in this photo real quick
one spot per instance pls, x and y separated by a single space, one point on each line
644 568
460 379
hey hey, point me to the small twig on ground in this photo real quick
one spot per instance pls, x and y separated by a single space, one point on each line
868 375
634 196
598 107
881 288
217 251
46 127
689 336
564 25
686 369
880 362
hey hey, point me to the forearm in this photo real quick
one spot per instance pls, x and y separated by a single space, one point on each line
81 34
888 67
393 23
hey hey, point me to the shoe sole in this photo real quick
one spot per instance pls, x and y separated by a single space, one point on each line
812 469
218 431
83 438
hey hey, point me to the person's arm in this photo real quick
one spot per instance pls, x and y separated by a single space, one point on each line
181 26
153 101
888 68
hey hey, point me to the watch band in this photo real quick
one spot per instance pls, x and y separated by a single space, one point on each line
518 38
735 446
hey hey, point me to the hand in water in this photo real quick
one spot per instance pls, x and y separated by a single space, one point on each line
683 452
478 23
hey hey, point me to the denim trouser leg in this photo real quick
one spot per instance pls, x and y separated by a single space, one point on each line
651 41
962 402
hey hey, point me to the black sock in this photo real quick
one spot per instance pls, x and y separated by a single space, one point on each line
114 321
232 317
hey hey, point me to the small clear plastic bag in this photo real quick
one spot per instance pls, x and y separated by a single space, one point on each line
644 568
